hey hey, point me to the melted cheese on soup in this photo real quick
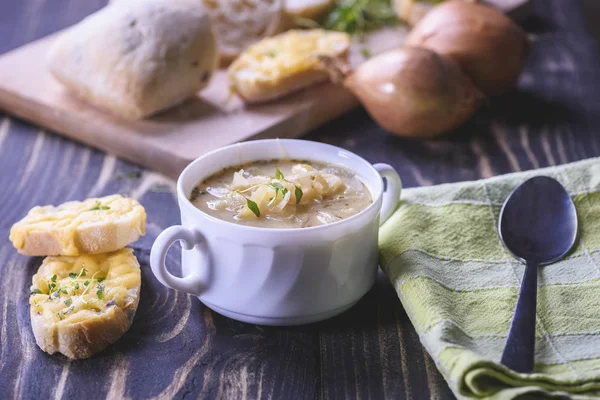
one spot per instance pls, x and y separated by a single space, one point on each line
282 194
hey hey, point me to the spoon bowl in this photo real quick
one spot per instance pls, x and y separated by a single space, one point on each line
538 221
538 225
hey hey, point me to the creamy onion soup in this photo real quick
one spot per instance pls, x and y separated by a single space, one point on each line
282 194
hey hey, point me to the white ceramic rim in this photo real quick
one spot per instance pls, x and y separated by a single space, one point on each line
183 198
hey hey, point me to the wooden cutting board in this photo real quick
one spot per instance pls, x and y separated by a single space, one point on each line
168 141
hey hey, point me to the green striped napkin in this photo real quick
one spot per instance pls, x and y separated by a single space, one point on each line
459 286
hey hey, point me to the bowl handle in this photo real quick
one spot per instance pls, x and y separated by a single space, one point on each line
391 194
191 283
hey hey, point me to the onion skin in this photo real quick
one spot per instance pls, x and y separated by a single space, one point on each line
488 46
414 92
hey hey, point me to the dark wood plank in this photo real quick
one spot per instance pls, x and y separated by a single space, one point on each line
176 346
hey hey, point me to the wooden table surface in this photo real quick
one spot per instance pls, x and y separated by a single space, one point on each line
179 348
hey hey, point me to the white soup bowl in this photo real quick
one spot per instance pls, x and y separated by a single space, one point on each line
277 276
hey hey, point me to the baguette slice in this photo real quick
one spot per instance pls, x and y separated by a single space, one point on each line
97 225
285 63
238 24
77 319
138 57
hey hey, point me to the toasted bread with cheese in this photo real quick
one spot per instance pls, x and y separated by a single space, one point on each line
80 305
96 225
138 57
282 64
238 24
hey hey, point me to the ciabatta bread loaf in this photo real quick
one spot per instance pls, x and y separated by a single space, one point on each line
137 57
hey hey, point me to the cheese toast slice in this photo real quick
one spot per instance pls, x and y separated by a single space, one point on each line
282 64
97 225
80 305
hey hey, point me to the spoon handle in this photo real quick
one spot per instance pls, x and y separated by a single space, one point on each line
519 350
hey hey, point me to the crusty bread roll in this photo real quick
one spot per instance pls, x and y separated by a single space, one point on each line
238 24
137 57
97 225
80 305
285 63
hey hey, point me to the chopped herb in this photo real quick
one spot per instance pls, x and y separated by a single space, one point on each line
277 186
53 279
271 53
73 275
56 294
86 283
51 287
253 207
77 286
298 193
68 302
62 313
35 291
366 53
64 291
83 271
360 16
99 206
100 291
284 191
278 174
100 279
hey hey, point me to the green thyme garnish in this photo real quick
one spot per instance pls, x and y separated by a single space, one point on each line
68 302
35 291
62 313
358 17
77 286
100 291
53 279
72 275
277 187
99 206
86 283
100 279
253 207
278 174
299 194
366 53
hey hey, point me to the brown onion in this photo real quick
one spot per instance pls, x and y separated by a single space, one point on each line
413 92
488 46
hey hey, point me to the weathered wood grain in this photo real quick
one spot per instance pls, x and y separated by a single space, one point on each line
177 348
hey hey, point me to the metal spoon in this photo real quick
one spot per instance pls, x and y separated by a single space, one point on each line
538 225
